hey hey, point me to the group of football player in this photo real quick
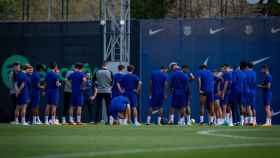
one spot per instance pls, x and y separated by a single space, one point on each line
226 95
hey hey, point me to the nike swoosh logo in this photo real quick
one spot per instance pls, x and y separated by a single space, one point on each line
206 61
214 31
274 30
260 60
275 113
153 32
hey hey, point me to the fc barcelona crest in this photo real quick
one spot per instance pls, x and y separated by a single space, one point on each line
187 30
249 29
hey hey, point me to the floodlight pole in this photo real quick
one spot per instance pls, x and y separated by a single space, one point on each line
116 30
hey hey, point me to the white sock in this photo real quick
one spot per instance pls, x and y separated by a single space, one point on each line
211 119
182 119
38 119
241 119
148 119
251 119
53 119
135 120
111 120
23 119
63 119
246 120
79 118
16 119
71 119
125 121
158 120
46 119
254 119
227 117
34 119
172 117
267 121
188 118
201 119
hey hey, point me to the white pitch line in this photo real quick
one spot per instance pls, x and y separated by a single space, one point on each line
135 151
212 133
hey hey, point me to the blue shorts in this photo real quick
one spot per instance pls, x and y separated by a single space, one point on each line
77 99
115 109
132 98
22 99
216 97
252 100
52 97
238 98
267 99
226 100
209 97
179 101
156 101
35 99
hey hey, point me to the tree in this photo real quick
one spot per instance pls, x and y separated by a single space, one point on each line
9 10
152 9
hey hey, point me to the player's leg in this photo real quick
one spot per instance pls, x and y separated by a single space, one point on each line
71 117
188 115
23 113
211 107
80 104
171 115
133 103
182 121
267 107
149 115
17 110
202 102
53 115
47 113
160 115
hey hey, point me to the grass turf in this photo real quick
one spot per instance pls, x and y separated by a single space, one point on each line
166 141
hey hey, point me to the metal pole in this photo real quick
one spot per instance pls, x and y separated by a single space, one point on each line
49 9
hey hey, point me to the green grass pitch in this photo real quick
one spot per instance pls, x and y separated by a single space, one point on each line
88 141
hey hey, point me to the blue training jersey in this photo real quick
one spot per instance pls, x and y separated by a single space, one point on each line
21 77
178 83
158 80
227 77
116 79
207 80
51 79
118 104
130 82
252 81
35 81
238 81
76 80
266 80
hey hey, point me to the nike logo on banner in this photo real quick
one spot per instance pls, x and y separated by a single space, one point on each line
212 31
153 32
260 60
274 30
275 113
206 61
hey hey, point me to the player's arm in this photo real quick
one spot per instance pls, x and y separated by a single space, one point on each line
138 87
94 93
166 89
192 77
225 89
199 85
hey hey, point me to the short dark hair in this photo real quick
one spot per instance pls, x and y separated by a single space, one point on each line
52 65
79 66
203 66
121 67
130 68
265 66
39 67
250 65
163 67
243 65
185 67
